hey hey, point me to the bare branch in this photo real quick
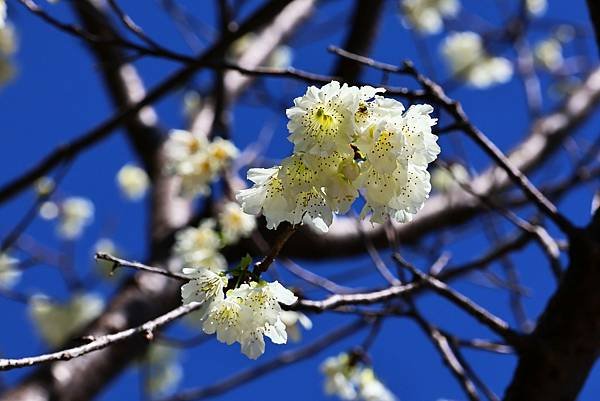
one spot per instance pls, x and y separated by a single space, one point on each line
485 317
448 356
103 341
117 262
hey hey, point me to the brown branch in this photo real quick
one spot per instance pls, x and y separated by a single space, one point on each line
284 233
565 344
594 9
441 343
123 83
484 316
360 37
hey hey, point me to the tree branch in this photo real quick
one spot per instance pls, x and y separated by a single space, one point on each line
103 341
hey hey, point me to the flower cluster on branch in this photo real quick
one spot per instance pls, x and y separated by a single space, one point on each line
348 141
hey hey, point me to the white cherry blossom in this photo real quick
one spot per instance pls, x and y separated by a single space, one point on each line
266 196
75 214
199 247
338 377
468 60
235 223
133 181
371 389
197 161
321 121
390 150
204 286
224 318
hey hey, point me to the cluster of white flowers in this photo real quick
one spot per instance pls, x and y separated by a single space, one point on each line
448 179
73 213
163 371
469 61
196 160
132 181
234 223
427 16
245 314
199 247
353 381
57 321
9 270
347 141
548 52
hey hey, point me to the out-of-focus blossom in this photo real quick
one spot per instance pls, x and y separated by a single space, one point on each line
427 16
293 321
352 380
234 223
43 186
163 370
133 181
49 210
199 247
448 179
281 57
197 161
548 54
192 102
536 7
8 46
56 322
75 214
8 40
469 61
2 13
9 270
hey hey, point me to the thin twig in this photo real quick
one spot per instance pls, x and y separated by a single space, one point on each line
117 262
442 345
286 232
485 317
103 341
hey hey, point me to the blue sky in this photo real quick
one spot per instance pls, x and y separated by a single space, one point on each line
58 95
